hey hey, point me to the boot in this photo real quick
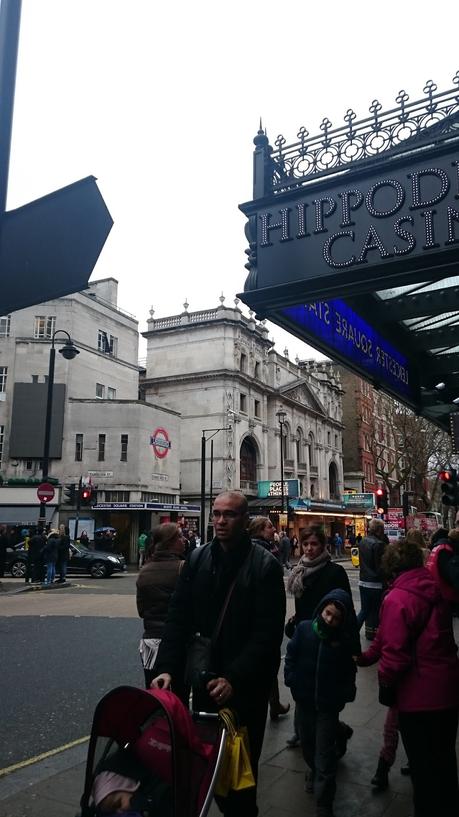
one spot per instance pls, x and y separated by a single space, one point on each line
380 780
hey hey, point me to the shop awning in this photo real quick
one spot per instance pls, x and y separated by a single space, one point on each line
24 514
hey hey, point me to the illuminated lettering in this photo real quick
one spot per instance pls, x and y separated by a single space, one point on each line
321 213
372 242
302 230
346 206
456 165
453 217
370 196
266 227
416 193
405 235
327 248
428 216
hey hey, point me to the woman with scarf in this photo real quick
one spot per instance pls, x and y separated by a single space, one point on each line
314 576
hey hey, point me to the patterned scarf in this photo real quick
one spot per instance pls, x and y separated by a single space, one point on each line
305 568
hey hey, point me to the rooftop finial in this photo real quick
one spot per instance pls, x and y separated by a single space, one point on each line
222 299
152 311
186 305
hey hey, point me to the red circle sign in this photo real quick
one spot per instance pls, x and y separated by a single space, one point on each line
160 442
45 492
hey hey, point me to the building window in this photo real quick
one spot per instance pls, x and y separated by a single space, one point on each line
44 326
100 391
328 438
107 344
243 403
336 441
124 447
116 496
78 447
3 378
5 326
248 460
101 448
243 362
150 496
29 465
111 393
2 432
256 372
257 409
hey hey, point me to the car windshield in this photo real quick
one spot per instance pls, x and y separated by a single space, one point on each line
80 548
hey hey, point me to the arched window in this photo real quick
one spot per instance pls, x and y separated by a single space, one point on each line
333 481
311 449
248 470
299 445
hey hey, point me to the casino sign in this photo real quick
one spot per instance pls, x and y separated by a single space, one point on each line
354 244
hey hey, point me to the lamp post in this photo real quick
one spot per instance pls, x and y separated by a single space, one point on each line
69 351
281 415
204 440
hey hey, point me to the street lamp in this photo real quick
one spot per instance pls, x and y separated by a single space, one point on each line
68 351
281 415
204 440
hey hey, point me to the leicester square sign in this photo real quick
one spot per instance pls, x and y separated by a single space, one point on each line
403 217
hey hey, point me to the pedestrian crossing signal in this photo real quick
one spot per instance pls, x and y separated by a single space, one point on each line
449 488
85 495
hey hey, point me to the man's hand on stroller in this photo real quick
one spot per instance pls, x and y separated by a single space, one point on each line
162 681
220 690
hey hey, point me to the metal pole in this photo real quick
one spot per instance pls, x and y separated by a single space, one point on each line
49 412
203 489
211 498
78 506
282 463
10 18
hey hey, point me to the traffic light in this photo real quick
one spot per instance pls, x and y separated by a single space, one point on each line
70 494
449 492
406 503
85 495
382 500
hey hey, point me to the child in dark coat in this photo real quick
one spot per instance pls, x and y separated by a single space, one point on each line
320 671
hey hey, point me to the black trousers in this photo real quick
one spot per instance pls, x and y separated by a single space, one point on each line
429 739
318 734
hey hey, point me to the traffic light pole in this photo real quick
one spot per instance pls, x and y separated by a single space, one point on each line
78 507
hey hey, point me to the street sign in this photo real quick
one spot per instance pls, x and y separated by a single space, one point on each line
160 443
45 492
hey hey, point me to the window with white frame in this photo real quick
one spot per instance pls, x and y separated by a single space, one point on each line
106 343
124 447
2 433
44 326
78 447
100 391
5 326
3 379
101 448
111 393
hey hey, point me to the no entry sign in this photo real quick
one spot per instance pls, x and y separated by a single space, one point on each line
45 492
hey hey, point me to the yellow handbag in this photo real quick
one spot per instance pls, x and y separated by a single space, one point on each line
235 772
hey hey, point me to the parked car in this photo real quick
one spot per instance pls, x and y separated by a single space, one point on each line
96 563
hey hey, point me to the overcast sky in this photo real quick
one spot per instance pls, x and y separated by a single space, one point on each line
161 101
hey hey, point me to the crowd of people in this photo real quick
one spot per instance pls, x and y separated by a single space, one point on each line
214 619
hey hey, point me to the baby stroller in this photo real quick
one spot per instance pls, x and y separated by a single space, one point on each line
164 739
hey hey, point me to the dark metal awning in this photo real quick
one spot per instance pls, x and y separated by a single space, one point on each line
354 245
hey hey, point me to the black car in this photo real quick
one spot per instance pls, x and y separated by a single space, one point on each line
96 563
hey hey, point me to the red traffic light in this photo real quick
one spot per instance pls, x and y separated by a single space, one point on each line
379 492
86 493
445 476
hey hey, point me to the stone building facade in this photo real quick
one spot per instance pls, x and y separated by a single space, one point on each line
219 368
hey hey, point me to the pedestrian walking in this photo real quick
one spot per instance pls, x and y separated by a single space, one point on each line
284 550
320 671
155 584
261 531
338 542
141 545
49 555
236 588
419 673
371 550
311 579
63 554
35 563
443 563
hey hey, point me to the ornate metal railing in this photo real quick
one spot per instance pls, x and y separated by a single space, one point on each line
335 148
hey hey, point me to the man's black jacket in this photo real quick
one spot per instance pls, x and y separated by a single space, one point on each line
247 651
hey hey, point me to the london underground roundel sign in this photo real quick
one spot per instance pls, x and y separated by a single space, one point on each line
160 443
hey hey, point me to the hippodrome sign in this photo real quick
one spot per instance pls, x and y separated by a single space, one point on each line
407 213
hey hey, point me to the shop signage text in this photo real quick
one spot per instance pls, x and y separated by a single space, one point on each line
341 329
267 488
354 500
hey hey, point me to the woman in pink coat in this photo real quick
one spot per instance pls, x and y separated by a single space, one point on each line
419 673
